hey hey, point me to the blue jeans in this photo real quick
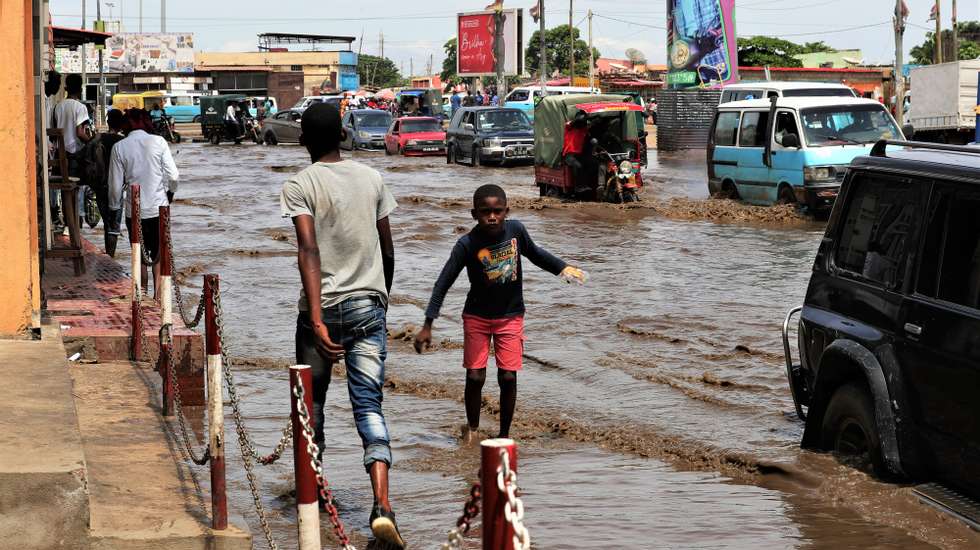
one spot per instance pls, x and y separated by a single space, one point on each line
358 324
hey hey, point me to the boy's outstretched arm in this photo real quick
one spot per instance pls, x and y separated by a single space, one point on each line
387 252
309 273
452 269
548 261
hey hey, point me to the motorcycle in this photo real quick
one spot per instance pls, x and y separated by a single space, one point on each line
252 129
164 127
617 176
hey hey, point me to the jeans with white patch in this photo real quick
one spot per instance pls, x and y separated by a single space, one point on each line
358 324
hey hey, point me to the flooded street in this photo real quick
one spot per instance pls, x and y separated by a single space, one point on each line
653 410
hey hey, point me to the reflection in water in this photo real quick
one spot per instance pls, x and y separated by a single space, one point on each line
676 335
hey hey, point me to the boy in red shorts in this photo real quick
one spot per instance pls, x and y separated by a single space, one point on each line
491 253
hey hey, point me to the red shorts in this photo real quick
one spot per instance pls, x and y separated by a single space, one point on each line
508 342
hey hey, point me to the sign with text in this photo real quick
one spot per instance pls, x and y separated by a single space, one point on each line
475 40
701 43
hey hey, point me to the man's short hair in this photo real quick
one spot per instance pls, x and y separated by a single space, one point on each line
52 84
487 191
139 119
321 128
114 119
73 84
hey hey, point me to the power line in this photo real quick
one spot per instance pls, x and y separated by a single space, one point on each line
630 22
781 35
793 8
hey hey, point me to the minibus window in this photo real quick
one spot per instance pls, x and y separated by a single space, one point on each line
753 132
726 128
785 125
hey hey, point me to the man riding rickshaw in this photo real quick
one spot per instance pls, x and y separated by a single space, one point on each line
587 146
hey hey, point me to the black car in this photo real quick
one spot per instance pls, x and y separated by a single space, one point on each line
489 134
889 334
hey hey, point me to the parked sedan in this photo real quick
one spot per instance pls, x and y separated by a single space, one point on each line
283 127
365 129
415 136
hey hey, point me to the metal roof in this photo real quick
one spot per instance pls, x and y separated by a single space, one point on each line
268 39
66 37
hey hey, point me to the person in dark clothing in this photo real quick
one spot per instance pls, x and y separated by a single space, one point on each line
491 254
98 175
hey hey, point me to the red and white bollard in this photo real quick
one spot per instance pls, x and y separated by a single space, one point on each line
498 533
307 505
166 311
136 342
216 414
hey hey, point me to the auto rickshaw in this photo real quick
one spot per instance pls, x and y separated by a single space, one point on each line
138 100
213 125
611 160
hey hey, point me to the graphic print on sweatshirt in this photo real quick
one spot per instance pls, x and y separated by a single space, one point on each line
500 261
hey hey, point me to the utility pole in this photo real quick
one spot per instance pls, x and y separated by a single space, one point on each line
141 16
163 16
899 20
543 64
591 56
498 48
428 68
411 68
100 103
571 47
938 55
956 36
84 57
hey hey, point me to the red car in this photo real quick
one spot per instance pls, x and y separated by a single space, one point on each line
415 136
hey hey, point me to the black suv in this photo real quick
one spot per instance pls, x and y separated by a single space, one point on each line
889 334
489 134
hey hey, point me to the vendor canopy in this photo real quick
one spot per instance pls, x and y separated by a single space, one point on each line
552 112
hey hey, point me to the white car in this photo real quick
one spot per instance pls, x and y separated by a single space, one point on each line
764 89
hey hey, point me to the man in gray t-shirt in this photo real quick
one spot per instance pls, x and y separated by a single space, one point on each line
340 210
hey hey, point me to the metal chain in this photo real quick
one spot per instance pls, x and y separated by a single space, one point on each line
189 322
313 450
513 508
470 510
182 423
147 260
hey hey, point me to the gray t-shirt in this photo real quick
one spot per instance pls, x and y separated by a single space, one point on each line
346 199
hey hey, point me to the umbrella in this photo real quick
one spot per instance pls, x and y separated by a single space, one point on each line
386 93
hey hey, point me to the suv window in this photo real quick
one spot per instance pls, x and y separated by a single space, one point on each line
518 95
726 128
880 222
753 133
950 267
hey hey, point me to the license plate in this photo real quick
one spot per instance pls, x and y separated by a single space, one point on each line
517 152
427 149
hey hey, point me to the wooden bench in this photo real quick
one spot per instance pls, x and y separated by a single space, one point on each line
68 185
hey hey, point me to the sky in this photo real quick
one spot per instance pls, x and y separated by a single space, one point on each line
416 29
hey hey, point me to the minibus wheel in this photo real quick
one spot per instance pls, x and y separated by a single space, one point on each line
786 195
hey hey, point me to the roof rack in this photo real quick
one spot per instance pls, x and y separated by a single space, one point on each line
879 148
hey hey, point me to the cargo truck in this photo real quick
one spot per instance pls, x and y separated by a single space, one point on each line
944 102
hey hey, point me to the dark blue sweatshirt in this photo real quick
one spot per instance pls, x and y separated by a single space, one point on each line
493 265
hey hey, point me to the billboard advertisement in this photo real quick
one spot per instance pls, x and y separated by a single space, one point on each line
701 46
475 38
134 52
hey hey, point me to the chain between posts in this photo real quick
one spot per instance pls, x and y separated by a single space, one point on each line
470 511
313 450
514 507
181 421
189 322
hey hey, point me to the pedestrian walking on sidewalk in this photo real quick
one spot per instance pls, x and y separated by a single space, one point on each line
491 253
143 158
346 258
98 154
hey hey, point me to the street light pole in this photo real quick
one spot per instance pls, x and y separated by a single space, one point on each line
543 65
938 56
82 51
591 56
571 47
163 16
100 103
899 65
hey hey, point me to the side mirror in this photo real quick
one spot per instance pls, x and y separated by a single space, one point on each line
468 126
791 141
908 130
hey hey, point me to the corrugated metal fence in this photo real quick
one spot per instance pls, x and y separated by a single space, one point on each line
684 118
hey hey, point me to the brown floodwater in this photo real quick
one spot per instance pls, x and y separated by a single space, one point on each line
652 411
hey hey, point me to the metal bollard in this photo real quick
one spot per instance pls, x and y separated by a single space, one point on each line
498 533
136 341
307 505
166 311
216 415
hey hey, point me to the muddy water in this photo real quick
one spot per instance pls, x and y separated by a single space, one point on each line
653 411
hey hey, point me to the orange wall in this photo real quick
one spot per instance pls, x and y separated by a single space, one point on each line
19 287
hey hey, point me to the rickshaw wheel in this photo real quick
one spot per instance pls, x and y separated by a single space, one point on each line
176 137
215 139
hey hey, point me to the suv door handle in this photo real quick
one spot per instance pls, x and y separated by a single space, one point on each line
914 330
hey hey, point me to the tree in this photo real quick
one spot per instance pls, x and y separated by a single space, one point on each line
969 38
556 41
815 47
375 71
448 73
636 56
760 51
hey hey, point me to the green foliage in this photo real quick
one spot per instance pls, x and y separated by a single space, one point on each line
448 73
557 44
815 47
760 51
375 71
969 48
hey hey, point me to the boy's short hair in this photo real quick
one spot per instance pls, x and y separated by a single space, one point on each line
321 129
73 84
114 119
489 190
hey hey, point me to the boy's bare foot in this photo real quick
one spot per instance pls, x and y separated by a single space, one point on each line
469 434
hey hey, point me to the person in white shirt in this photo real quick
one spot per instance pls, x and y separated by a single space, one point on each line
143 158
71 116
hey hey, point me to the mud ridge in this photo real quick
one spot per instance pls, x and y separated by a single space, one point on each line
183 274
278 234
255 253
192 202
681 381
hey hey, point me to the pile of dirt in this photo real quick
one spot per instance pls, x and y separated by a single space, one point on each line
730 211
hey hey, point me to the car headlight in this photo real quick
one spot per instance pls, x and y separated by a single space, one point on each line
819 173
412 142
492 142
364 135
626 167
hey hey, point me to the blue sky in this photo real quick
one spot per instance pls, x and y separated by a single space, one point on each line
414 30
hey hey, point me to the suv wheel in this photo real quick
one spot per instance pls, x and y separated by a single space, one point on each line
475 159
450 154
849 429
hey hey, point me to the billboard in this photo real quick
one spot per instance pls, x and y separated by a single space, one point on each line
701 46
475 37
134 52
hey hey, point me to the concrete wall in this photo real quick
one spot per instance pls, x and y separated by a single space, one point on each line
280 61
19 281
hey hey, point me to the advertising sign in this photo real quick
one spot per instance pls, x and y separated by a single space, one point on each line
475 37
134 52
701 45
